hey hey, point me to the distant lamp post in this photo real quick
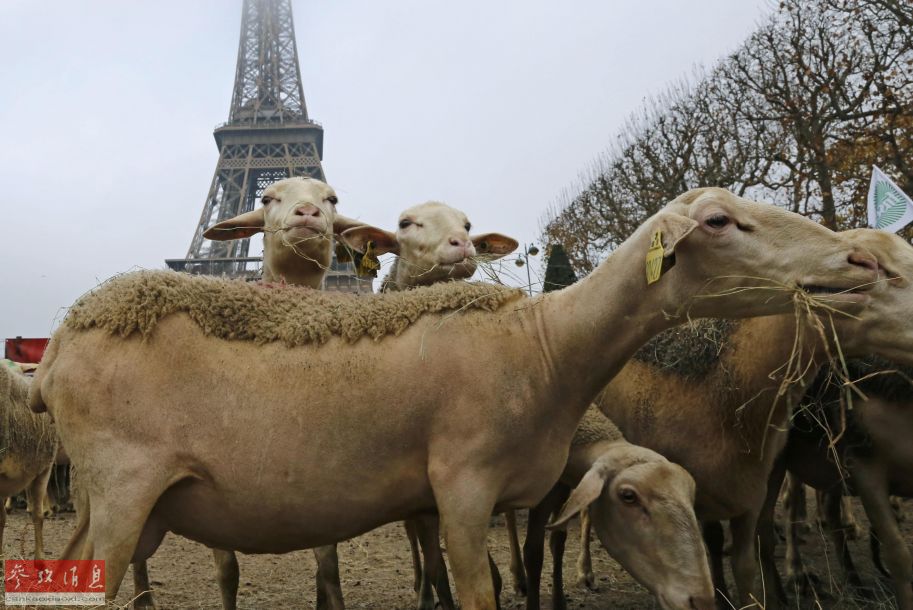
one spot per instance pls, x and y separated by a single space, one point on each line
523 260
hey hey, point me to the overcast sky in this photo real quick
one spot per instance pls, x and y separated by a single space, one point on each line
107 110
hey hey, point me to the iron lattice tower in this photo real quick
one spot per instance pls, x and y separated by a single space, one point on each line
268 136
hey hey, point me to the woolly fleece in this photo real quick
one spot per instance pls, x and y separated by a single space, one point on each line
265 313
25 435
595 427
691 350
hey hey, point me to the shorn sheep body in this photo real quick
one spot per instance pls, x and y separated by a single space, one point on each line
28 446
408 423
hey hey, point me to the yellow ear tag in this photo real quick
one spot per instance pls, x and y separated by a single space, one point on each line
655 258
369 263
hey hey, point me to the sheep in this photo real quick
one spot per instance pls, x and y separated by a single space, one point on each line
861 451
298 219
432 244
465 434
877 323
741 380
28 445
642 506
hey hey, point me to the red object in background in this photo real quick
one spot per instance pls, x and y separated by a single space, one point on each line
25 350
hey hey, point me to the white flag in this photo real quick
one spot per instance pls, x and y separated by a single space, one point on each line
890 209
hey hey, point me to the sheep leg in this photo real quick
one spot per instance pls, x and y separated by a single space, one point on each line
422 579
141 587
833 503
854 530
714 539
329 589
496 580
556 543
798 577
465 510
516 561
534 546
79 538
585 576
418 575
36 497
744 564
767 537
227 575
875 550
427 529
115 526
796 505
872 486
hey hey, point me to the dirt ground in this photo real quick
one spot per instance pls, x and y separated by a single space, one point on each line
376 572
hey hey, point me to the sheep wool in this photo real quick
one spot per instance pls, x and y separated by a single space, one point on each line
265 313
691 350
595 427
23 433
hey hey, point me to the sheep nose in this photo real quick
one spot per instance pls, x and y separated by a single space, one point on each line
456 241
864 260
308 209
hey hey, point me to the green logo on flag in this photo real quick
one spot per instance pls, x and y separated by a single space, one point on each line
889 204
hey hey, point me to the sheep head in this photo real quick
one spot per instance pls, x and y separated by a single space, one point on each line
433 244
642 508
298 218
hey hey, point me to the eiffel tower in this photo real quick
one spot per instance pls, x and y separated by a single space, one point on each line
268 137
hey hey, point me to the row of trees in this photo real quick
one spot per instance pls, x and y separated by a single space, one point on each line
797 116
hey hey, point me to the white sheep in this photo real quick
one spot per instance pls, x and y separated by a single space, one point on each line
298 219
466 399
642 508
733 387
432 244
28 446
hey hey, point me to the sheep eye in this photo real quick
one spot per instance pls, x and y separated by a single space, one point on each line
467 226
628 496
717 221
405 222
333 199
266 199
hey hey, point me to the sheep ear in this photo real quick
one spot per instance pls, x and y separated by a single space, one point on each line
343 223
494 244
238 227
358 238
584 494
673 229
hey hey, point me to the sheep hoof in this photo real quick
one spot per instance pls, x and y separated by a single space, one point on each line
587 580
